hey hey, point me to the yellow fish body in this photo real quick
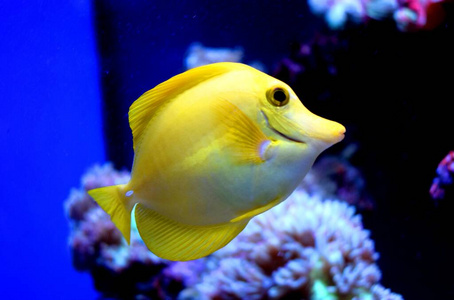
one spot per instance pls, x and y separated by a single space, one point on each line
214 147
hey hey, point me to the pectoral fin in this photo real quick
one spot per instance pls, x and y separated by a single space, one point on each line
172 240
247 142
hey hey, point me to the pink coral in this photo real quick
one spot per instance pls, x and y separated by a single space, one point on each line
408 14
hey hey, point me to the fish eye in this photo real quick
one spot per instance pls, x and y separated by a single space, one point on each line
278 96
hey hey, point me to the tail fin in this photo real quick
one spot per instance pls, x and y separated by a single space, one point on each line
115 203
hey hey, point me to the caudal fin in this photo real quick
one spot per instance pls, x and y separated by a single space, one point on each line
114 202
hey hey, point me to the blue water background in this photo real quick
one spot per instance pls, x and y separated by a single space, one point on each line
50 131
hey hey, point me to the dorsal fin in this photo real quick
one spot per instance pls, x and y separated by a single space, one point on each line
143 109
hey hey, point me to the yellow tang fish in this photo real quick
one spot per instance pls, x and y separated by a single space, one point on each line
214 147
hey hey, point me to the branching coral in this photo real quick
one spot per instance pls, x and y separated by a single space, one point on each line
305 248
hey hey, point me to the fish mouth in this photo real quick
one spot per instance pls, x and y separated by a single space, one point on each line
278 132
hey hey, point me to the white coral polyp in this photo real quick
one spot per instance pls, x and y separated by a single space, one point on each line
285 250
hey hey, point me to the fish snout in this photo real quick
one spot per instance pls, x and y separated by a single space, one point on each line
331 132
324 132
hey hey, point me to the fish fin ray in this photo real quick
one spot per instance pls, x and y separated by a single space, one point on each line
180 242
243 135
115 204
143 109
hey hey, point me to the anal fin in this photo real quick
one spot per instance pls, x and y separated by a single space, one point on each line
175 241
257 211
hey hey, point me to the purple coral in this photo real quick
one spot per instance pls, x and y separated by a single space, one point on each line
445 174
306 248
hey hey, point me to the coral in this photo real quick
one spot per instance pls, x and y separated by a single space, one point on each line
408 14
198 55
338 12
305 248
444 178
308 247
336 177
